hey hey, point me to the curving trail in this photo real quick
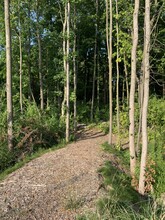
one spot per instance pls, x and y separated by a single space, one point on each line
58 185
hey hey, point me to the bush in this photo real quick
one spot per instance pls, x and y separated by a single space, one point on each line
32 131
7 158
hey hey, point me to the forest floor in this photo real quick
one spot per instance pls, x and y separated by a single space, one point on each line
60 184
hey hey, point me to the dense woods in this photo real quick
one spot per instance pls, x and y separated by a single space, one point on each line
66 62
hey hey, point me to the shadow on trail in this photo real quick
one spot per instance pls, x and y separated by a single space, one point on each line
84 134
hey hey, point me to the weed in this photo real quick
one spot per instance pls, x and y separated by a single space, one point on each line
73 202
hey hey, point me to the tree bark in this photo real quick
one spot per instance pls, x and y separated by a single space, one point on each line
109 48
132 90
20 65
8 76
147 33
68 75
126 79
64 61
40 61
118 74
95 64
30 95
75 72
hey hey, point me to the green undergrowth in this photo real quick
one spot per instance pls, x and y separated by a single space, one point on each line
122 201
123 155
34 133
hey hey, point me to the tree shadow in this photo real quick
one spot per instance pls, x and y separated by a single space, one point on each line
85 134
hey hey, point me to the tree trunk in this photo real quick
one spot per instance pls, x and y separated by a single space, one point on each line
109 48
20 65
98 60
95 63
132 90
140 93
75 72
40 61
30 95
147 33
118 74
8 76
64 61
68 75
126 79
40 72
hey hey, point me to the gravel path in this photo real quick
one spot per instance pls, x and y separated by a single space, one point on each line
58 185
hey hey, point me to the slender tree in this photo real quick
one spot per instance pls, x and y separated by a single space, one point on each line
75 70
146 64
126 79
30 95
117 68
95 62
20 57
8 75
109 48
64 22
132 89
68 74
40 59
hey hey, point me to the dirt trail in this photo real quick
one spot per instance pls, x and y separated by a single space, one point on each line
57 185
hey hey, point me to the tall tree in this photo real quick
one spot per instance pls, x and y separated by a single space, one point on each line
95 61
109 48
20 57
68 75
64 22
40 57
117 68
8 75
132 89
146 64
75 69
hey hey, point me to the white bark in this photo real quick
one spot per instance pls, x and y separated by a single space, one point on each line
40 61
118 74
132 90
68 75
147 33
64 61
8 76
109 48
75 72
20 65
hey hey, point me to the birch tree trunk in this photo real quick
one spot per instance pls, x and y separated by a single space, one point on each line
68 75
30 95
109 48
140 93
40 72
118 74
8 76
75 72
20 65
147 33
132 90
126 78
64 60
40 61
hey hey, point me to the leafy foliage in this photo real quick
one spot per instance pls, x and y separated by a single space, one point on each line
32 131
122 201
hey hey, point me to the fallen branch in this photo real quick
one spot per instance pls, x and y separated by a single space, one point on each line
25 138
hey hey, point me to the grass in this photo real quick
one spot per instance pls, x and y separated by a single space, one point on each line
74 203
123 202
